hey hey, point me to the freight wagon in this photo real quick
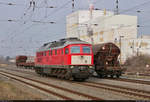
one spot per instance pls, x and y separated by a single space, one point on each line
25 61
106 60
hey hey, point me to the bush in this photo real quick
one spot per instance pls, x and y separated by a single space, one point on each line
138 63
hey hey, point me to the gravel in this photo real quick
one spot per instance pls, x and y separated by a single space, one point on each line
12 90
123 84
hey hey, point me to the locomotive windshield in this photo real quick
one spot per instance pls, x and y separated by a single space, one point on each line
75 49
86 49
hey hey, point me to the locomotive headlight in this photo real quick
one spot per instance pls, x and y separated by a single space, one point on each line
71 66
103 47
90 66
106 63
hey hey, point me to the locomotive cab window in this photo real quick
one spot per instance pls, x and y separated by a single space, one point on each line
66 50
86 49
75 49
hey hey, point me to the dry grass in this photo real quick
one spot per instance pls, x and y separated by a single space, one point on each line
138 63
10 92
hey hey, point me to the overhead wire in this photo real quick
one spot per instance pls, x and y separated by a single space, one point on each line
46 4
127 9
137 6
32 4
10 20
30 26
43 18
60 7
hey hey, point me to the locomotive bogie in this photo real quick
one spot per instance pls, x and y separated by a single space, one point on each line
68 72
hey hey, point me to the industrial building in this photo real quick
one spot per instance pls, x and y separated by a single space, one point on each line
137 46
103 26
106 27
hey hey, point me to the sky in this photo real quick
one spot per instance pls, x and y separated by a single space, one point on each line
24 35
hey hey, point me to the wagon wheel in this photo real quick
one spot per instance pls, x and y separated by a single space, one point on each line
112 76
100 75
117 75
79 79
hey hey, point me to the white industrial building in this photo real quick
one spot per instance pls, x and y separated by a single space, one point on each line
103 26
137 46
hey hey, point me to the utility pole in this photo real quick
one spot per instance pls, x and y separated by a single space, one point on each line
72 5
120 48
133 47
90 30
117 7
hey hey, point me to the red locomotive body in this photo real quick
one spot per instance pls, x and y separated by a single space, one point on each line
106 60
68 58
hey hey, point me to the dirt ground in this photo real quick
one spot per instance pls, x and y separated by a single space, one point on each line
10 90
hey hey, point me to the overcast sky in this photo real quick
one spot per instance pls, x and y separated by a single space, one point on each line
23 36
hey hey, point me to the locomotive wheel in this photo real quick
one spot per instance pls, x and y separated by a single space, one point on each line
58 76
112 76
117 75
100 76
68 76
63 74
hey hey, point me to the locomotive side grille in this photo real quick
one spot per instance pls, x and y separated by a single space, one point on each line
82 59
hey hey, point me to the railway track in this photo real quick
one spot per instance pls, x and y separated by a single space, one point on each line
22 71
61 92
124 90
118 79
141 94
128 80
132 81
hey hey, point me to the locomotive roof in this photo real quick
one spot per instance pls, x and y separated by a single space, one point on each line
61 43
98 47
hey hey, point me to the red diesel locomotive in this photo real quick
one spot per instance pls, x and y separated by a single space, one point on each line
68 58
